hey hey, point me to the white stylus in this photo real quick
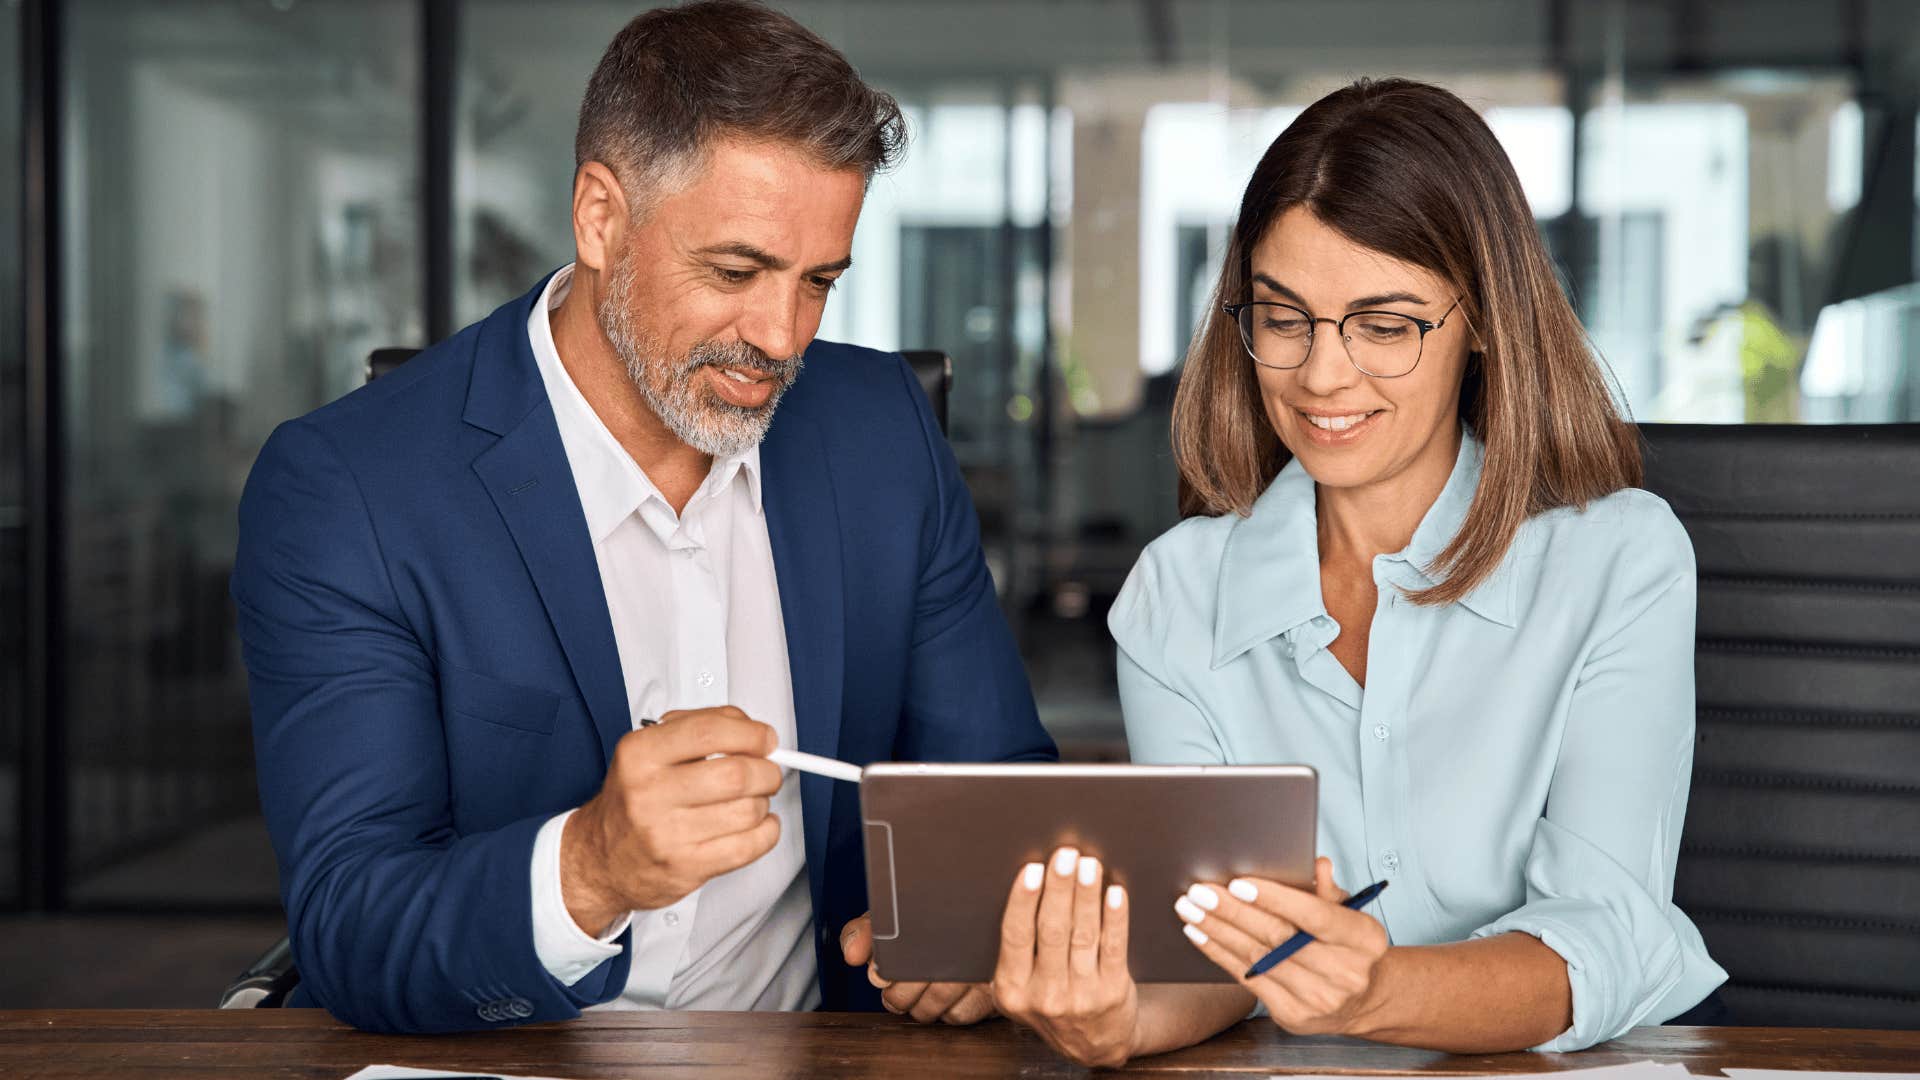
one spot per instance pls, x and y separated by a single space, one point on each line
800 761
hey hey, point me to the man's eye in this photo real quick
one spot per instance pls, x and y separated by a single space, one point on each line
732 276
825 284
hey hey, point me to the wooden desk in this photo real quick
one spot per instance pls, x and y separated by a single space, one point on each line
306 1043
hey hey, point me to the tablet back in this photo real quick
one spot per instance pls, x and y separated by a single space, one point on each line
944 843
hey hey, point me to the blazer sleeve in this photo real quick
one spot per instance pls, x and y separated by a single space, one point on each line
1599 876
967 694
397 922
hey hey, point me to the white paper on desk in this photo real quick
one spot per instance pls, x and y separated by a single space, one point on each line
1809 1074
404 1073
1636 1070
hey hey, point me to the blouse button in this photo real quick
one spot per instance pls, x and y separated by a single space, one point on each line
1381 731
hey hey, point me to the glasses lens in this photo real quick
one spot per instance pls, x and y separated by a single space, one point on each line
1382 343
1276 334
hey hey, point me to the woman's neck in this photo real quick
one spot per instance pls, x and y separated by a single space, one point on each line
1356 524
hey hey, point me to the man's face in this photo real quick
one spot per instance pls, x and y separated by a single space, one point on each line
719 289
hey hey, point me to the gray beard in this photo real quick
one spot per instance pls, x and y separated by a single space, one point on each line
671 386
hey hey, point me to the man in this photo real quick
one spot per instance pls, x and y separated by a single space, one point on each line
468 591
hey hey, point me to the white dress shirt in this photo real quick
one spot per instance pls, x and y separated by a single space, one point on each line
696 617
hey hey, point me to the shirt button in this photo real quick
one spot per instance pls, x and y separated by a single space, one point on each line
1381 731
1390 859
673 918
1289 650
705 678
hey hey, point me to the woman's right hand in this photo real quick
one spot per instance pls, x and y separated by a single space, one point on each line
1063 960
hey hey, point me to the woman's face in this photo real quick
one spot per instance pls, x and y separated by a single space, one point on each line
1351 430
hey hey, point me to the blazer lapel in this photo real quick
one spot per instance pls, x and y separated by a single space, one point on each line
527 474
803 527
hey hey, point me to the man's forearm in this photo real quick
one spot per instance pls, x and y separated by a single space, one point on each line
1489 995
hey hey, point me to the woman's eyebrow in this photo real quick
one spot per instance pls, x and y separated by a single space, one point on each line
1375 300
1386 298
1275 286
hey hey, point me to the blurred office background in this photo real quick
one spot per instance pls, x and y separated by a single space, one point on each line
213 209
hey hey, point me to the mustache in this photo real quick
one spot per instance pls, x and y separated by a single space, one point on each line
738 354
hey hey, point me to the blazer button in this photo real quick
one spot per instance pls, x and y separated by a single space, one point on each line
487 1013
520 1007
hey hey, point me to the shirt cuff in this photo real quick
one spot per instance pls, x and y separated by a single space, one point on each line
564 949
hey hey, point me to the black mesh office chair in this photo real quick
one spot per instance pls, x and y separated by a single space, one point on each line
1800 861
267 982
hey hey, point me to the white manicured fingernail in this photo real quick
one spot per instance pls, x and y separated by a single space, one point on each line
1203 896
1187 910
1116 896
1063 862
1089 870
1030 877
1194 934
1243 889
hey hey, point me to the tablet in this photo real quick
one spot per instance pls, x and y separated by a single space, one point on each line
944 843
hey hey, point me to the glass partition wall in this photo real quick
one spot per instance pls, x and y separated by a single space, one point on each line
241 228
1729 189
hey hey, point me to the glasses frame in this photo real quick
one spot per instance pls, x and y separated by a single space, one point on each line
1426 326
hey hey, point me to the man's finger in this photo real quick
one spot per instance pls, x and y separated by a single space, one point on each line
902 996
725 854
696 824
690 735
723 779
1016 925
976 1006
937 999
856 941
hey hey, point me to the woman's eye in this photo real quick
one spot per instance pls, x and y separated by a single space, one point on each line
1287 327
1383 329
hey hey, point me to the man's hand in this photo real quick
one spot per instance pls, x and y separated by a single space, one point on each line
668 819
949 1003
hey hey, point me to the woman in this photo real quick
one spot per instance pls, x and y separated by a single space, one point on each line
1415 559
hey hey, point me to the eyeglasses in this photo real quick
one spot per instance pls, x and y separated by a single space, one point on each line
1383 344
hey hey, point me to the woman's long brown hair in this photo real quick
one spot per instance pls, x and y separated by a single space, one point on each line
1411 171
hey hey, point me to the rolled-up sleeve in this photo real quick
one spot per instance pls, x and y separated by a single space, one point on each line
1599 876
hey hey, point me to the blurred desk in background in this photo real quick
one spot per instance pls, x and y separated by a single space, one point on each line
310 1045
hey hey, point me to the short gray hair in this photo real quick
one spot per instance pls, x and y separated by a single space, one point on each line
677 79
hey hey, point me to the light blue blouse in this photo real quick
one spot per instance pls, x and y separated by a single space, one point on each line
1518 761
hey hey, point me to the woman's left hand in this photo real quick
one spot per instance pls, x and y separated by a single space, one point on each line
1322 989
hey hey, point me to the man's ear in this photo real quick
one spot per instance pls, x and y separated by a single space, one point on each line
600 218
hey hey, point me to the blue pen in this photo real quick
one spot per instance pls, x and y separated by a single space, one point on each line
1302 939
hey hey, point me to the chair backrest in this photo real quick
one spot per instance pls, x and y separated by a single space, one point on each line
933 367
1800 862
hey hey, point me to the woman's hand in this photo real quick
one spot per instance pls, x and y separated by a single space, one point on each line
950 1003
1322 989
1063 960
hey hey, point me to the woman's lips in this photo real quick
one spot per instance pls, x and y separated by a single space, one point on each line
1340 429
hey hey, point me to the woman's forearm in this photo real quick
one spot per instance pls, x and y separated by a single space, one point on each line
1179 1014
1489 995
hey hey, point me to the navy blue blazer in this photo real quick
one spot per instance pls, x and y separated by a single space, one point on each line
433 671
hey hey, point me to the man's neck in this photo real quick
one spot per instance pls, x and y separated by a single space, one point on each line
674 467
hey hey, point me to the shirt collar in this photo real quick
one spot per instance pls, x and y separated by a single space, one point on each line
611 486
1270 570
